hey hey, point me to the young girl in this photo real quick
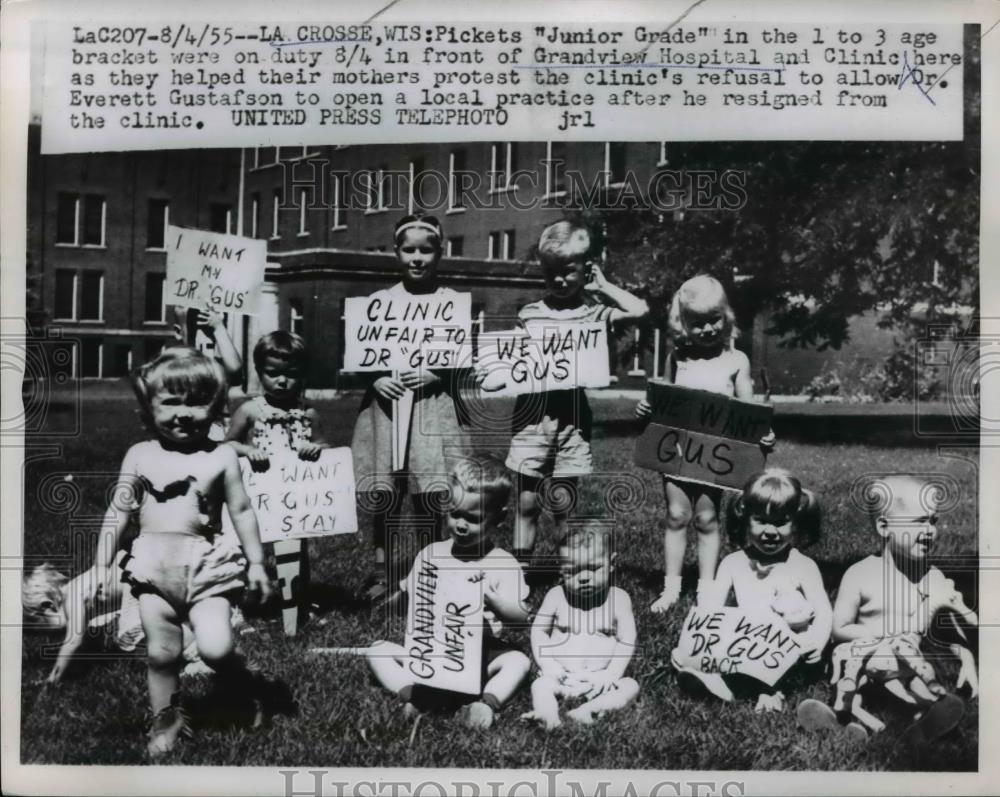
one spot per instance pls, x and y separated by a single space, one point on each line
436 430
278 420
180 567
701 324
773 516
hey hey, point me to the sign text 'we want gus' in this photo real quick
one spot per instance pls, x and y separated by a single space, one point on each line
209 268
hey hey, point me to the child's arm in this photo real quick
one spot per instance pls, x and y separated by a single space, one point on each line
814 639
541 637
120 509
629 306
245 523
723 582
967 674
310 450
215 328
239 429
509 608
845 610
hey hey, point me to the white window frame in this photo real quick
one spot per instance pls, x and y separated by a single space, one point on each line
78 316
493 241
104 223
339 184
303 229
275 230
76 295
550 174
100 362
254 210
296 318
662 160
163 302
376 180
505 247
452 186
495 187
76 221
448 246
607 168
166 222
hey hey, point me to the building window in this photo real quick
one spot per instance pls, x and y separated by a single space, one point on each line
220 218
275 232
555 168
65 300
157 219
67 218
614 163
456 168
303 230
455 246
91 357
340 201
416 170
296 318
254 214
156 307
73 212
265 156
375 183
151 348
502 157
663 154
91 296
500 245
120 360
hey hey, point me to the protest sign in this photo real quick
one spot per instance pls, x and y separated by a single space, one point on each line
704 437
223 271
391 331
545 356
444 629
731 640
294 498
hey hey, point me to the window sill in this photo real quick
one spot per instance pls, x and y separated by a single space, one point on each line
156 249
339 228
375 211
94 246
453 211
302 235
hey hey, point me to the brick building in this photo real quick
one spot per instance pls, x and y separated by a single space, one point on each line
96 231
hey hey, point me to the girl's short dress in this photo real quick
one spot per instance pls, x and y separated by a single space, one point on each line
189 565
437 436
279 430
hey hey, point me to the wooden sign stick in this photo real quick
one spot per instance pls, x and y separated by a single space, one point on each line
289 556
402 415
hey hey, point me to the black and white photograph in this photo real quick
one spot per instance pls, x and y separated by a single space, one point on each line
653 455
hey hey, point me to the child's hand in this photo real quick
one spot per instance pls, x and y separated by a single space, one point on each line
209 320
598 282
810 652
309 451
389 388
967 675
258 459
643 409
767 442
600 682
258 583
414 380
103 588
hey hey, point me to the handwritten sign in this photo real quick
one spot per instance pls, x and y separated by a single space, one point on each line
731 640
392 332
444 630
703 437
224 271
294 498
545 356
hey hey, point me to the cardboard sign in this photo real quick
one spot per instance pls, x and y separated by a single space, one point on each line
224 271
731 640
294 498
703 437
388 331
545 356
444 629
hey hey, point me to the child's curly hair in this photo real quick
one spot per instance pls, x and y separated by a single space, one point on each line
566 241
775 494
701 294
281 345
182 371
485 476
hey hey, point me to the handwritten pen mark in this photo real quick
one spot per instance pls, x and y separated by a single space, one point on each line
679 19
906 73
939 77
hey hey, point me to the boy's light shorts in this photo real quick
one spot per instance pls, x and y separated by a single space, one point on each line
184 568
550 447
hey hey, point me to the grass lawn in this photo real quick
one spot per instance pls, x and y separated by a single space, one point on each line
97 716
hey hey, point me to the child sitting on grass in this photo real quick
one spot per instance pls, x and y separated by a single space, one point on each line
180 566
479 492
584 634
884 609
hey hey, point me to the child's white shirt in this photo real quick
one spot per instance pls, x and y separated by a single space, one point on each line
757 586
715 374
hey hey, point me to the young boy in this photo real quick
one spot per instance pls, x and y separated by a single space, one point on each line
584 634
479 492
551 434
884 607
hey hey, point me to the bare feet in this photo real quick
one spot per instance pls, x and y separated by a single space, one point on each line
548 722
